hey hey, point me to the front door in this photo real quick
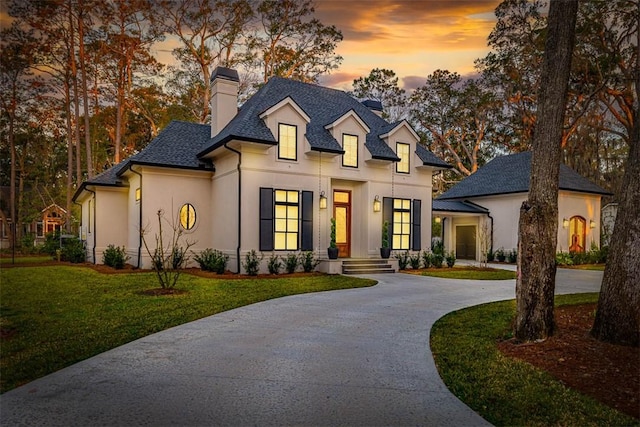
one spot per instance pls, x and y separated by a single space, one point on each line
342 214
466 241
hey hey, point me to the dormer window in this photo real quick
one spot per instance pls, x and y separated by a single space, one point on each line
350 147
287 142
402 151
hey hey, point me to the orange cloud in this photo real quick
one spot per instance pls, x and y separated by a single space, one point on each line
411 37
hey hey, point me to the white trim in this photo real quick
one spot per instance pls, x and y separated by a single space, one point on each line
346 116
402 124
279 105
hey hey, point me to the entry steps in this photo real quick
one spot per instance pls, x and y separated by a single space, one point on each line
366 266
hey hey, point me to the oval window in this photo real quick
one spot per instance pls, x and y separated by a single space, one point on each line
187 216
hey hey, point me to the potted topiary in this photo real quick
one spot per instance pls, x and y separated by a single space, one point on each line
332 250
385 250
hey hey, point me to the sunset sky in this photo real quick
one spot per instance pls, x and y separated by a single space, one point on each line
411 37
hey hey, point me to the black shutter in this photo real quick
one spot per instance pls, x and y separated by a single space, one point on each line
387 215
266 219
416 228
306 230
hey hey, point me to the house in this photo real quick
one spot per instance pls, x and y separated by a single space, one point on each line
50 219
269 177
483 209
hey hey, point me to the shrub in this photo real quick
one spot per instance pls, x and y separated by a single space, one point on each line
73 251
426 259
212 260
564 258
308 261
403 259
27 245
291 263
274 265
500 255
115 256
512 256
451 259
490 255
252 262
437 246
414 260
437 259
51 243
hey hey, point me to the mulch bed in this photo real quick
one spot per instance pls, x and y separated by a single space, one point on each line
607 372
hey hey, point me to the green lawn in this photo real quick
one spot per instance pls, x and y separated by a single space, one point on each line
470 273
30 259
52 317
504 391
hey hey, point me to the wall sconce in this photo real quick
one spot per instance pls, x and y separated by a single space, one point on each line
565 223
438 220
323 200
376 204
592 224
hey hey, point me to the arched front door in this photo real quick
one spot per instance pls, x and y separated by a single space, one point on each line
577 234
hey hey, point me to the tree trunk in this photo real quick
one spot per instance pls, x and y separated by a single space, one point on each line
67 107
85 95
538 228
618 315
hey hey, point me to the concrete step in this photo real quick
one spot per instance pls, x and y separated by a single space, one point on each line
366 266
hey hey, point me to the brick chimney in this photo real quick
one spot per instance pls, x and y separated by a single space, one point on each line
224 98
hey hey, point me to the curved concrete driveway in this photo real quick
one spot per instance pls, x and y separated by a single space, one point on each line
352 357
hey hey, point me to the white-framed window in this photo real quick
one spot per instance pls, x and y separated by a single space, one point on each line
287 142
402 151
350 147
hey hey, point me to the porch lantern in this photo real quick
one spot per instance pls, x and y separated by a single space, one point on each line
565 223
376 204
592 224
323 200
438 220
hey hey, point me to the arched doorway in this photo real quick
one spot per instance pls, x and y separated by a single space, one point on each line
577 234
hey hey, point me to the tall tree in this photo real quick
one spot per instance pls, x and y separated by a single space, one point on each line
16 62
538 228
382 85
457 118
618 314
292 44
210 32
128 28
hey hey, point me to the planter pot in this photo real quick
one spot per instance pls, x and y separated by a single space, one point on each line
385 253
332 253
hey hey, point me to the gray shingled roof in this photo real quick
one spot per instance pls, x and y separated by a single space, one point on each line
510 174
323 105
176 146
457 206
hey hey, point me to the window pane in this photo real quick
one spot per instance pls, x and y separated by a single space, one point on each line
350 147
397 203
279 242
292 212
287 141
402 151
396 242
281 224
281 196
341 225
340 197
405 242
292 241
281 211
292 196
292 225
187 216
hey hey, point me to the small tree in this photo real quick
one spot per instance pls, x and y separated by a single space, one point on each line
167 259
485 243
